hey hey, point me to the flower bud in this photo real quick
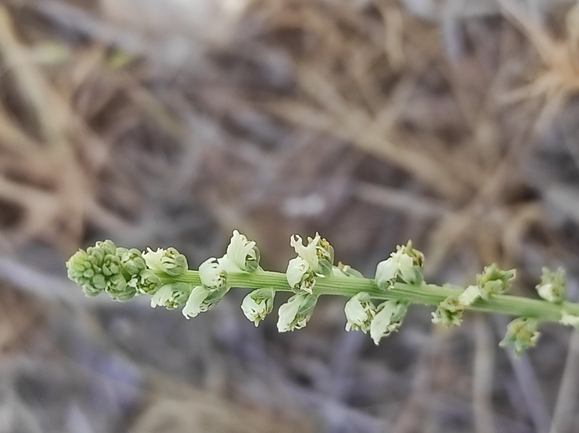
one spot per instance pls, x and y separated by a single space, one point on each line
553 287
258 304
494 281
104 267
449 312
359 312
388 318
521 333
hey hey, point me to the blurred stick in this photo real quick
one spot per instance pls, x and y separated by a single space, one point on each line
483 377
567 398
528 383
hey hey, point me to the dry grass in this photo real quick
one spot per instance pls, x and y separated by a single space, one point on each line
157 123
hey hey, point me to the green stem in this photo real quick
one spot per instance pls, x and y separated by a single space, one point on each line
427 294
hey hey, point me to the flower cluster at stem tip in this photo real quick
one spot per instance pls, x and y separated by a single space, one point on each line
376 306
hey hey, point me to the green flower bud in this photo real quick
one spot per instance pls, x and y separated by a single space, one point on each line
104 267
449 312
522 333
553 287
258 304
388 319
296 312
494 281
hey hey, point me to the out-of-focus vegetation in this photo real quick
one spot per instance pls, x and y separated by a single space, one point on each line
169 123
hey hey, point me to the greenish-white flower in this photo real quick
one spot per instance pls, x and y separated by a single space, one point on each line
469 295
171 295
307 253
242 255
388 318
568 319
258 304
449 312
194 303
296 312
399 264
169 261
494 281
318 254
521 334
553 287
297 271
212 274
359 312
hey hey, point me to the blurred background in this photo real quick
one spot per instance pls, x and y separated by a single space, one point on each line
171 122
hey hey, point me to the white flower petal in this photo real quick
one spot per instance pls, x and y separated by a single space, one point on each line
238 250
296 269
153 259
162 296
193 305
288 312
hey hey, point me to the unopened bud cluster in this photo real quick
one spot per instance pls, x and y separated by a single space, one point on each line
377 306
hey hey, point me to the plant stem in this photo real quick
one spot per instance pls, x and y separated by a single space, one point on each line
427 294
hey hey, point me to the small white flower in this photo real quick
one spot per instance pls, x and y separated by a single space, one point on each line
359 312
296 312
153 259
296 271
258 304
211 274
170 261
569 319
308 253
546 292
398 264
469 295
239 250
288 312
163 295
387 320
195 301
